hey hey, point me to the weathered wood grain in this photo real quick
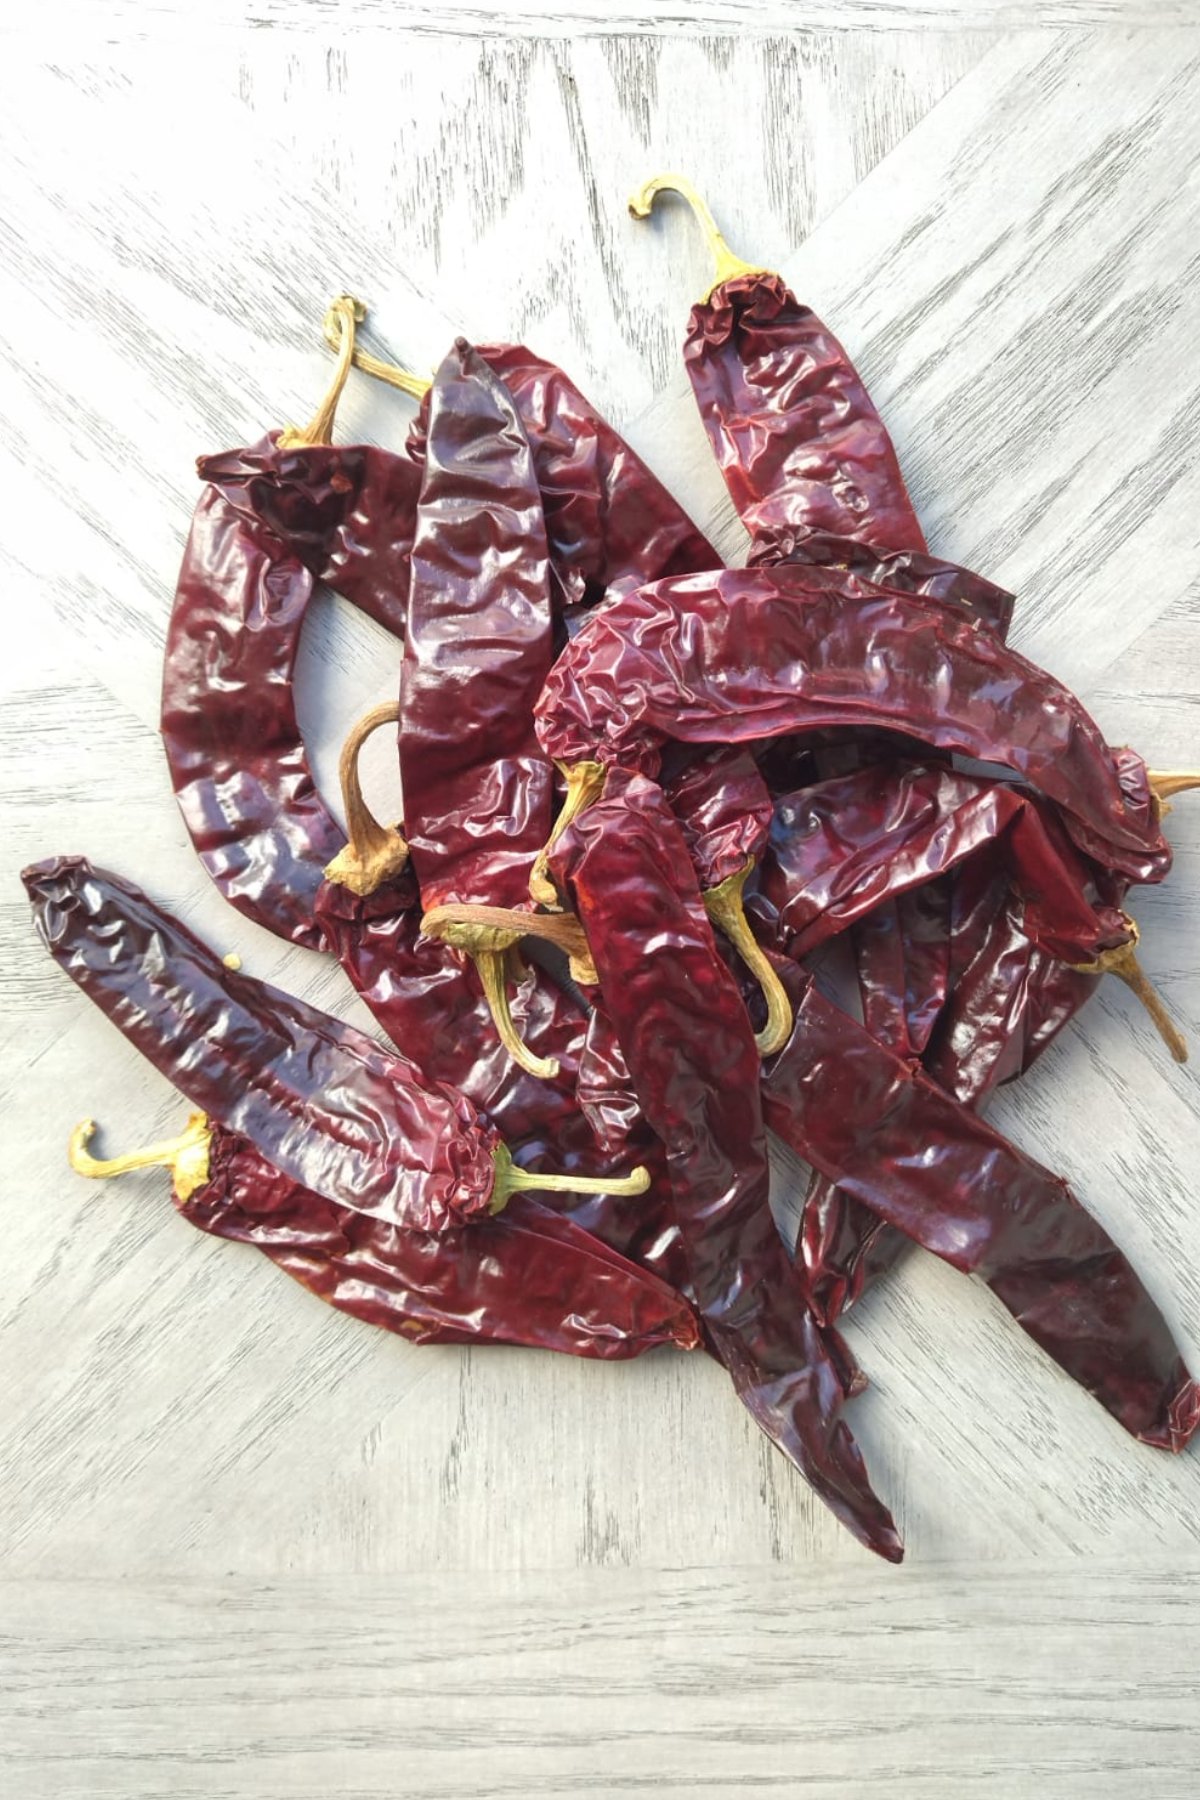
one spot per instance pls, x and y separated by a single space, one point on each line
1003 230
1016 1681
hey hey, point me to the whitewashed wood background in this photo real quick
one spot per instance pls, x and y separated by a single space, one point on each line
250 1548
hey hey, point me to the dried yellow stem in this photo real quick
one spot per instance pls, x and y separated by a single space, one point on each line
585 783
1123 963
376 853
561 929
349 313
186 1156
724 907
1165 782
334 331
511 1180
726 264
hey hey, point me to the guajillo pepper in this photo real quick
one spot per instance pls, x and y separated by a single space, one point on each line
528 1276
691 1054
332 1110
610 523
891 1137
752 654
478 791
797 438
229 724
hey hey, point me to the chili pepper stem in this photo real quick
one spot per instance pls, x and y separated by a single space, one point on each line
1165 782
1123 963
376 853
186 1156
723 904
512 1180
585 783
727 265
489 947
349 312
561 929
333 330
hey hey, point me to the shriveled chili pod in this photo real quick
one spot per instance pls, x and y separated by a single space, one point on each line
794 431
529 1276
930 1166
229 723
332 1109
750 654
610 523
694 1064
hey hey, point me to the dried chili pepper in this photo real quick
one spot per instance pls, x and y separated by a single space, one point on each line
610 523
694 1064
229 724
749 654
333 1110
891 1137
529 1276
797 438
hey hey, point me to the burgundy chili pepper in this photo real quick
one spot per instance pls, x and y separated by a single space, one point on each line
528 1277
229 724
749 654
332 1109
792 427
856 1112
694 1064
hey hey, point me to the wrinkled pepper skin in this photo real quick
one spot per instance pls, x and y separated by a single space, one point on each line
724 809
429 999
478 793
892 1138
346 511
904 571
610 523
333 1110
750 654
840 847
691 1054
529 1276
790 422
229 725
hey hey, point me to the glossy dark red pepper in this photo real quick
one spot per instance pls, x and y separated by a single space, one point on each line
694 1065
891 1137
750 654
530 1276
478 793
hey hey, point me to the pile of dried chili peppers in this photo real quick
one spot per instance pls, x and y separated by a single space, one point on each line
640 791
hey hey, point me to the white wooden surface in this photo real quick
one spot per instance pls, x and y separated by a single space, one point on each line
251 1548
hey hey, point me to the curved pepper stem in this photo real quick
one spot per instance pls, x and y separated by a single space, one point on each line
1165 782
349 313
376 853
1123 962
489 935
727 266
187 1156
511 1180
335 331
585 783
723 904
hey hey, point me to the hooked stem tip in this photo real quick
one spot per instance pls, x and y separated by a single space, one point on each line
727 266
335 333
186 1156
723 904
376 853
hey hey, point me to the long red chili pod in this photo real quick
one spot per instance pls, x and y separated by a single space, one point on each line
328 1106
610 523
794 431
693 1061
229 723
750 654
861 1116
529 1276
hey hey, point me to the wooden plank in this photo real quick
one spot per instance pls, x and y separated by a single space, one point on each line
924 1685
